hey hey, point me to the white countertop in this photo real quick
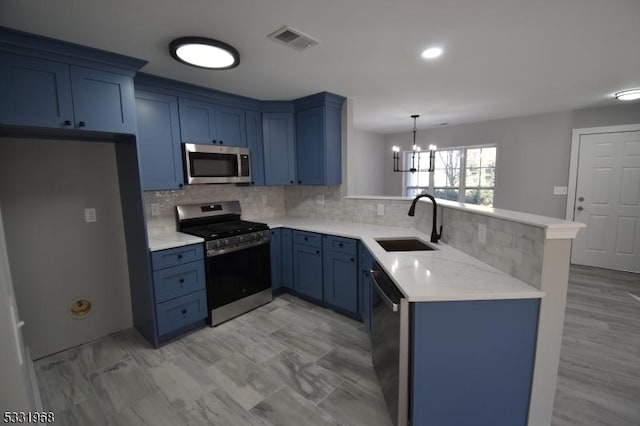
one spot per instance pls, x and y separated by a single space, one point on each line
169 240
445 274
554 228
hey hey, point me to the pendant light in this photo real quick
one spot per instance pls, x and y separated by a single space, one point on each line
415 152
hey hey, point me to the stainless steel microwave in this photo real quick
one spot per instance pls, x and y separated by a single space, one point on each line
216 164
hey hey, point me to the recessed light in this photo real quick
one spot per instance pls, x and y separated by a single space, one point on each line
628 95
203 52
432 53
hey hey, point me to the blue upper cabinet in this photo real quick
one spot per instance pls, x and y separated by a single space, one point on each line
35 92
254 143
59 85
319 139
42 93
158 133
279 148
203 122
197 121
103 101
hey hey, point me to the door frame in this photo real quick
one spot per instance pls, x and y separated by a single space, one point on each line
575 152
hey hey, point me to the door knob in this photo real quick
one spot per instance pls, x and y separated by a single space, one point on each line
580 208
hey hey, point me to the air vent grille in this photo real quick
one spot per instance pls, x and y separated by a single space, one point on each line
293 38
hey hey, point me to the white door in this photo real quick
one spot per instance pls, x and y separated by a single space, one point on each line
17 391
607 200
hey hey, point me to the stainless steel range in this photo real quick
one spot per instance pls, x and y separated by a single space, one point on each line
238 271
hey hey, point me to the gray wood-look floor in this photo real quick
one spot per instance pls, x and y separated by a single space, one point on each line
286 363
293 363
599 374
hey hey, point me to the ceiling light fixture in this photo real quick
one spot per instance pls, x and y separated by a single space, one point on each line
205 53
432 53
628 95
414 150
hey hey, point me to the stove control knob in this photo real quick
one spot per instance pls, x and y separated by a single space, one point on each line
241 238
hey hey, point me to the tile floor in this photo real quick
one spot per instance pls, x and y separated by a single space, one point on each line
286 363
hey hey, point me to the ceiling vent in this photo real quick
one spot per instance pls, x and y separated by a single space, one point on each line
293 38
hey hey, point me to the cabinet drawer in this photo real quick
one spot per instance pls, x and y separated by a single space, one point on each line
340 244
176 256
307 238
181 312
170 283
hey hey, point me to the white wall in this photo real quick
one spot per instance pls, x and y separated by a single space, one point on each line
533 153
55 256
366 166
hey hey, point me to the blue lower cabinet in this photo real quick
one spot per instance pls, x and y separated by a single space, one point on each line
307 270
179 290
181 312
340 273
479 353
275 248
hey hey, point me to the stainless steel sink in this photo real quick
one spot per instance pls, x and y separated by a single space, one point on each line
404 244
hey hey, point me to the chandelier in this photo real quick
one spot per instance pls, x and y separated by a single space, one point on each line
415 152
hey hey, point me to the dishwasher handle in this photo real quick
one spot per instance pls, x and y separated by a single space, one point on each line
393 305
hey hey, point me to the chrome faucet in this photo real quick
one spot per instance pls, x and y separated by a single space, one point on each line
435 236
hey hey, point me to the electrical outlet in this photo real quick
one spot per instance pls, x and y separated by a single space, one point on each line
380 209
263 198
559 190
482 233
90 215
155 209
320 199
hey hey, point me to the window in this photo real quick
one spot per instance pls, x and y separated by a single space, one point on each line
465 174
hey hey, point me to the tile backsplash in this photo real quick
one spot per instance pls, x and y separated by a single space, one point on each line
512 247
256 202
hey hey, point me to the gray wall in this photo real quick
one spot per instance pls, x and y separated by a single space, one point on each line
55 256
533 153
367 163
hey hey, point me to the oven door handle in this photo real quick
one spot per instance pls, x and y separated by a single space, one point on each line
394 306
219 252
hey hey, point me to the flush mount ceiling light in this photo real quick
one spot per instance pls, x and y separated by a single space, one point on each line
203 52
628 95
432 53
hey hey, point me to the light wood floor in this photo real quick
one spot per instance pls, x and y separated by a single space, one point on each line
599 374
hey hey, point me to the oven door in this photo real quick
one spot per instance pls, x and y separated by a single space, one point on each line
216 164
238 282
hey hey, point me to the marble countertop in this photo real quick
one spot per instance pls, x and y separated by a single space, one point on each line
169 240
445 274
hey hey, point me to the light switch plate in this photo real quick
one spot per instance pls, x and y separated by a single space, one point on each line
559 190
90 215
380 209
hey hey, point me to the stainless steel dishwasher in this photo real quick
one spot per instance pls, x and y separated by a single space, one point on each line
390 344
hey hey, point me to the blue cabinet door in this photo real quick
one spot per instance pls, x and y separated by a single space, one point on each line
35 92
159 150
287 258
230 126
275 248
254 143
307 270
310 146
279 148
197 121
340 280
103 101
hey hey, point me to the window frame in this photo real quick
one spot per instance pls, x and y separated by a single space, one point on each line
462 187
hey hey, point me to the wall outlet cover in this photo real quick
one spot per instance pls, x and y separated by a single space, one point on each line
380 209
263 198
482 233
90 215
155 209
320 199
